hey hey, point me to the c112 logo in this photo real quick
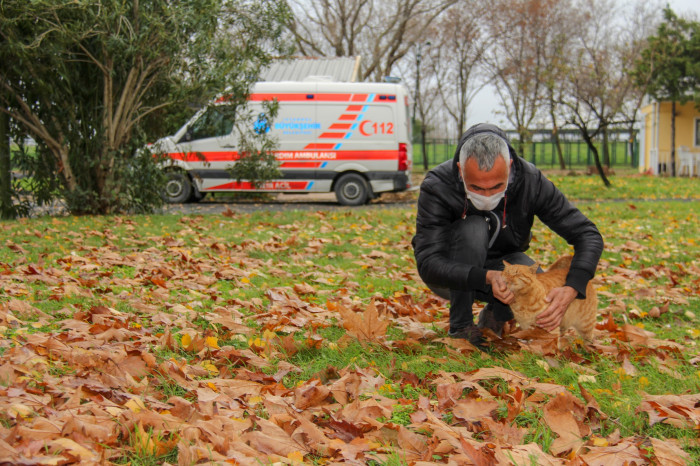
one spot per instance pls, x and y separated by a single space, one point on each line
370 128
262 124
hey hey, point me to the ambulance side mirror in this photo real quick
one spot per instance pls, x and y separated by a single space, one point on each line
187 137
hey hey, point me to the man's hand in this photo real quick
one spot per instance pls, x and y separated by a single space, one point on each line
500 290
559 300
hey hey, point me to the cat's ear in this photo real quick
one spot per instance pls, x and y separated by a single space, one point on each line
506 263
534 267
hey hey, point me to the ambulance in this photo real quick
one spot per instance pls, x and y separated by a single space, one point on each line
352 139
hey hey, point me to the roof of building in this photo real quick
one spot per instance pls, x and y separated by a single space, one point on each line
342 69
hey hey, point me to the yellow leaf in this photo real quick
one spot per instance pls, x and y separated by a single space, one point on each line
600 442
253 400
212 342
73 448
586 378
18 409
186 341
135 404
213 370
245 280
212 386
296 457
113 410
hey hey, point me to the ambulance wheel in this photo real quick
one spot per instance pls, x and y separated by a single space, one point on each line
178 188
352 189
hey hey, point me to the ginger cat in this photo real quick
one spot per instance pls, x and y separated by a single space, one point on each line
531 288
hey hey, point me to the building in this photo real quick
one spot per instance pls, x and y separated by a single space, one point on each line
655 138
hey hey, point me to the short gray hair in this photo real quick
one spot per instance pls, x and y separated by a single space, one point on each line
485 148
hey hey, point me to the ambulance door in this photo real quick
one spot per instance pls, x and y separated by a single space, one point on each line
208 146
296 129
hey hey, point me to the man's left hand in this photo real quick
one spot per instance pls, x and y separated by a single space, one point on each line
559 300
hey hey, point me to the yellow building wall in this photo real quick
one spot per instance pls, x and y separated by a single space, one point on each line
686 116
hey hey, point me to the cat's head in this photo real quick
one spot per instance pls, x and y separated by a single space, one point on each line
519 276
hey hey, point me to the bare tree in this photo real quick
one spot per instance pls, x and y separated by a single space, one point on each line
521 30
600 87
382 32
457 58
557 49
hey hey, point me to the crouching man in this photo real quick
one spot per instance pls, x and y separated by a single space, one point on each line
476 211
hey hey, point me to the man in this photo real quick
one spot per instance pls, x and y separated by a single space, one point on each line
476 211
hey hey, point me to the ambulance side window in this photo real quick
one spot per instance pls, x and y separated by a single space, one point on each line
215 122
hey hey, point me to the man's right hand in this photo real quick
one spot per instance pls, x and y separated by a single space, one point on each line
500 290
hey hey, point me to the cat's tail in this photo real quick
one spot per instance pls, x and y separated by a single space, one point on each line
563 262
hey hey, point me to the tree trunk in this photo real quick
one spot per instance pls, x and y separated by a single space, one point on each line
6 210
596 158
606 151
673 138
557 142
422 142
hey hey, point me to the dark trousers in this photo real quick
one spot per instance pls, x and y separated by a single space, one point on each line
469 245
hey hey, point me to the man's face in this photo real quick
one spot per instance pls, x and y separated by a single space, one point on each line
485 183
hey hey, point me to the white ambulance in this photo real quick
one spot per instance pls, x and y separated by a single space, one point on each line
349 138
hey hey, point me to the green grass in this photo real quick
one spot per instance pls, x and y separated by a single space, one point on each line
543 154
168 274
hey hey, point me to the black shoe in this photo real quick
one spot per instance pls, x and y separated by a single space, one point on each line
487 319
471 334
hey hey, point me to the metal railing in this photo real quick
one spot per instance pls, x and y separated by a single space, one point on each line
542 153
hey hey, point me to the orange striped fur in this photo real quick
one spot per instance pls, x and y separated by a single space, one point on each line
531 288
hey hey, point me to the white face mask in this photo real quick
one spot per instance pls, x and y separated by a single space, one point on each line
485 202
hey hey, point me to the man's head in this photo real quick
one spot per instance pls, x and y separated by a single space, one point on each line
484 164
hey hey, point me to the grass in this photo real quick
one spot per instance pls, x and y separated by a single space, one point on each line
172 275
543 154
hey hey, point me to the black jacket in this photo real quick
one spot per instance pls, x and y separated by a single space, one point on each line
442 201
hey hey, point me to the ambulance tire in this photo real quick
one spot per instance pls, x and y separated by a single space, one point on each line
178 187
352 189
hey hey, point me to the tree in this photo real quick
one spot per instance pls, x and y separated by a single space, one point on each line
92 81
521 32
457 58
5 170
382 32
598 80
557 49
669 68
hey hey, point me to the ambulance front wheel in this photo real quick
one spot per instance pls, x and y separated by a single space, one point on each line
352 189
178 188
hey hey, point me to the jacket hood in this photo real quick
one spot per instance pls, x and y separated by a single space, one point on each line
478 129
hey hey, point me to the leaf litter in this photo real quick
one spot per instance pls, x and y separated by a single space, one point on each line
147 350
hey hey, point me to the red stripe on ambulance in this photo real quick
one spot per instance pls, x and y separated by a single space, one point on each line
332 135
270 185
300 164
340 126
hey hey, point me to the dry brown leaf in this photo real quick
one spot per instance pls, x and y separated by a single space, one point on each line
366 326
564 415
623 454
668 453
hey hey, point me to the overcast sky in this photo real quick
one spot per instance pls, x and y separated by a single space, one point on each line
481 109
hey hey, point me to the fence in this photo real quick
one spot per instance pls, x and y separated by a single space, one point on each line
543 152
